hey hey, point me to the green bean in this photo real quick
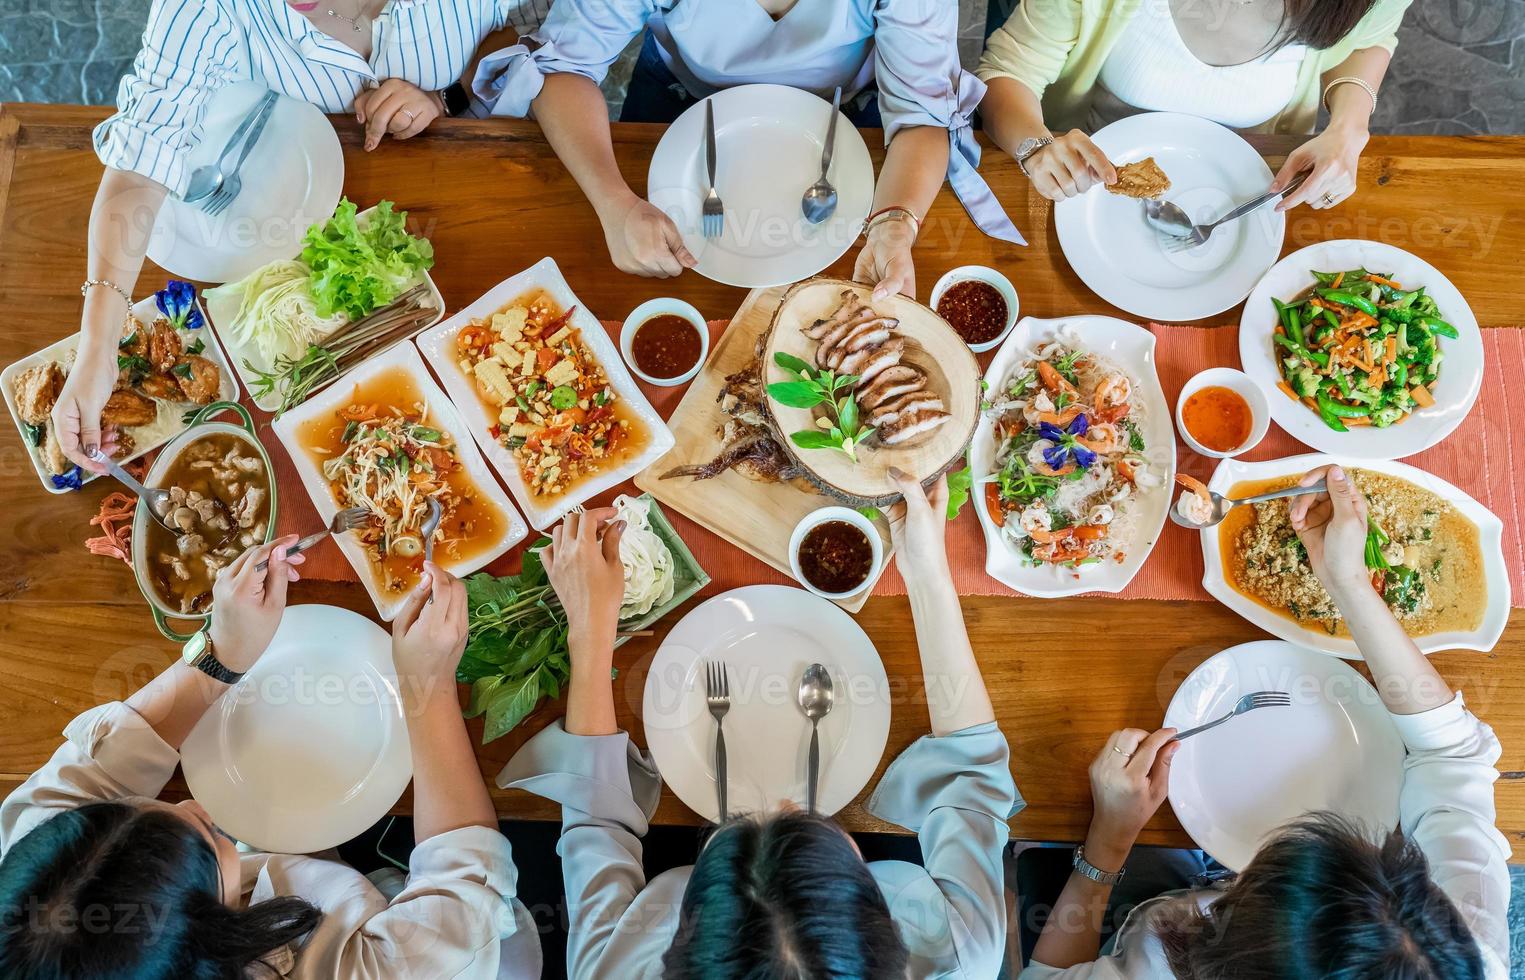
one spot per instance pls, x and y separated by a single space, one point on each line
1349 299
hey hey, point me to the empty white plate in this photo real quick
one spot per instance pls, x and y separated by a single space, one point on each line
1335 748
1211 169
291 180
768 141
311 747
766 635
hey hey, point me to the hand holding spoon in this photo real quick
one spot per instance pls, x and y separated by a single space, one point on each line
1221 505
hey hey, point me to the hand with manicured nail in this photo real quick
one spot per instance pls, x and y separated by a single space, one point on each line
1332 527
429 635
583 564
397 109
247 604
885 260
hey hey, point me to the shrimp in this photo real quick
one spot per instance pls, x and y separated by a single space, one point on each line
1033 411
1112 396
1054 381
1103 437
1035 519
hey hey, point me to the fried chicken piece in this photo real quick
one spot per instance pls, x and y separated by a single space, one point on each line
164 345
53 453
1141 179
37 390
127 407
204 381
134 343
165 387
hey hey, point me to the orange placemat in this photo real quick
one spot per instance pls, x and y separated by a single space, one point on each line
1483 457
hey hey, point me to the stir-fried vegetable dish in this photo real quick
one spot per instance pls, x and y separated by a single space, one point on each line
1360 349
556 411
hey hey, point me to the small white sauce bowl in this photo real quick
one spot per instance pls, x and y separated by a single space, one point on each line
852 517
1238 382
991 277
663 306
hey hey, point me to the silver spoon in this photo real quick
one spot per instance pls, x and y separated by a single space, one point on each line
815 699
431 524
1222 505
820 198
207 178
1169 220
158 501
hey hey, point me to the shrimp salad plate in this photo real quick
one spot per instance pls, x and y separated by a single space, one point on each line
1074 456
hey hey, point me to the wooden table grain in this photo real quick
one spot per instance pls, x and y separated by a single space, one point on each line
493 199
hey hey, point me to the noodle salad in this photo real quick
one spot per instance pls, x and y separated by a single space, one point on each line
1070 459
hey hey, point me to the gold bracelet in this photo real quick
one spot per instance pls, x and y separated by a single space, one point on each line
1352 80
890 214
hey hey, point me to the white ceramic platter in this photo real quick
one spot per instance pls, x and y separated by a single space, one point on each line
438 346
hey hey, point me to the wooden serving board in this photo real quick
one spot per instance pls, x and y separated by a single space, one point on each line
755 516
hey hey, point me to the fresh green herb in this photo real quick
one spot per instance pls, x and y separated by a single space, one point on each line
197 346
137 367
841 428
872 513
1135 437
35 434
960 484
1066 365
294 378
563 397
183 369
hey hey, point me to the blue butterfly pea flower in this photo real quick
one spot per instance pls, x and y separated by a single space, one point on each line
177 301
70 479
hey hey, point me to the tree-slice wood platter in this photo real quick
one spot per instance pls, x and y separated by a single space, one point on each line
754 515
931 346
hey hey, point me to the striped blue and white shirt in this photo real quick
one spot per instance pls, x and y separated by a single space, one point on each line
193 48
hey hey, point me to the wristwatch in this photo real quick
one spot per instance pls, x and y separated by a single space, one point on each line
1027 148
455 99
1091 871
198 654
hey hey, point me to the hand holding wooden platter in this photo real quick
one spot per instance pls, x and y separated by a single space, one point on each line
931 345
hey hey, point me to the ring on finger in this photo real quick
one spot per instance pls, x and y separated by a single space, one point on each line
1125 755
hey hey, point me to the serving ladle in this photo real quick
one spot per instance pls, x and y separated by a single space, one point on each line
1222 505
159 504
820 198
815 697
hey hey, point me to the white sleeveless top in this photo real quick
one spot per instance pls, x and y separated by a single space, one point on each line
1150 68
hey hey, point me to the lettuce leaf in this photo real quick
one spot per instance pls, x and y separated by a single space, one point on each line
358 269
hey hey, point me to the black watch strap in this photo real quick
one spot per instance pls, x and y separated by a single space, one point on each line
455 98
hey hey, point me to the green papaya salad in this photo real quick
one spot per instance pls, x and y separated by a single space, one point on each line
1359 349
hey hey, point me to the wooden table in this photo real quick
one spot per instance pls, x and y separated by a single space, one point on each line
493 199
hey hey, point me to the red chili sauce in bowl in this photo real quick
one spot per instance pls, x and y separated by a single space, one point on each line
836 557
665 346
1218 418
976 309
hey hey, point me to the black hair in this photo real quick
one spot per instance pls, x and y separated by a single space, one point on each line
1321 24
785 897
112 890
1324 898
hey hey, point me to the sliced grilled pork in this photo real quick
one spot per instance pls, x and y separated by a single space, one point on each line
849 308
868 364
891 383
911 425
834 337
909 403
871 333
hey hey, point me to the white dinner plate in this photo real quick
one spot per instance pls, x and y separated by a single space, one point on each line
443 416
768 141
1334 748
1456 387
311 747
438 346
291 179
766 635
1490 532
1211 169
1131 348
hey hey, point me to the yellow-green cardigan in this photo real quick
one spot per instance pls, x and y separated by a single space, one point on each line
1057 48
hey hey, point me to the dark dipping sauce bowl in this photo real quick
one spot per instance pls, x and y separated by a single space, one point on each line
665 342
836 552
979 303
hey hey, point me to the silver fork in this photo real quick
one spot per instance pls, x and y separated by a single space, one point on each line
717 694
1194 235
348 519
232 183
714 213
1259 699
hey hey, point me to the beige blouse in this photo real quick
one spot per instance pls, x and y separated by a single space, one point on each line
456 915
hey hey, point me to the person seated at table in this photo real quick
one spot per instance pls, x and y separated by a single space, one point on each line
99 878
1061 68
395 65
896 61
782 893
1323 897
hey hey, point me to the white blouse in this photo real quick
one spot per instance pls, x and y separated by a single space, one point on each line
1150 68
193 48
1445 806
456 916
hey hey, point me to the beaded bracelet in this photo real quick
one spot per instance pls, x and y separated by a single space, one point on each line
1352 80
86 286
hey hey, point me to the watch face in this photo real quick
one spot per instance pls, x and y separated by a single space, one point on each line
195 646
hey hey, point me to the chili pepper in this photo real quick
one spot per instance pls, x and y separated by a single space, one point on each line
1349 299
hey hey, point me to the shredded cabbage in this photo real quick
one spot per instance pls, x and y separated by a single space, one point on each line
647 559
277 312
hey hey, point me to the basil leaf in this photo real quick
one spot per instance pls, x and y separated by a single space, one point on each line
814 439
791 363
796 394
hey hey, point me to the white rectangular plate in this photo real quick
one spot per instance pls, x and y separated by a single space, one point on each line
438 345
170 422
443 416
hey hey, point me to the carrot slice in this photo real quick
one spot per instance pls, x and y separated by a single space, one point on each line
1422 395
1287 389
1338 278
1391 354
1381 280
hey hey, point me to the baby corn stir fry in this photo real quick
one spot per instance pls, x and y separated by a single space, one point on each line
1359 349
556 409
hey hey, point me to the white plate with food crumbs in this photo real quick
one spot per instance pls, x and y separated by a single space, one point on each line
1435 554
1210 170
385 438
545 394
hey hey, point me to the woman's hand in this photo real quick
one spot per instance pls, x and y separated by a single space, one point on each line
1332 527
429 635
247 603
1333 156
917 528
1129 780
1070 165
77 413
583 564
397 109
643 240
885 261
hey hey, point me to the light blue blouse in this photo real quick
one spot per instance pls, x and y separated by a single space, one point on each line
908 48
956 792
193 48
